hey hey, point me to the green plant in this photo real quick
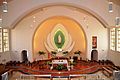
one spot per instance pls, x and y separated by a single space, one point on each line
41 52
77 52
60 67
53 52
65 52
48 62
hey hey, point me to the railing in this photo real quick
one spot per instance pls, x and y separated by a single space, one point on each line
71 77
31 71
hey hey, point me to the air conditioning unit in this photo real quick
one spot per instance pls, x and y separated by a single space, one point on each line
117 21
116 75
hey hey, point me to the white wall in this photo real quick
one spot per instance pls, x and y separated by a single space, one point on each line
114 57
19 8
5 57
22 34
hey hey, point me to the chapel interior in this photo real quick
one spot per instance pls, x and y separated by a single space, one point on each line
59 39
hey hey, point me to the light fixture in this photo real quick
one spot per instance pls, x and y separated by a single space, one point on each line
34 17
5 6
0 19
117 21
110 6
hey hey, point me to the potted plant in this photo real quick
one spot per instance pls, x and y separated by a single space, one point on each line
41 52
49 63
77 52
60 67
65 52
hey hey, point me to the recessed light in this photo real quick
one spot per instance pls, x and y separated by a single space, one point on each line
34 21
34 17
0 19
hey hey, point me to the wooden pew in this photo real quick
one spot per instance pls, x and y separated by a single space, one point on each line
107 72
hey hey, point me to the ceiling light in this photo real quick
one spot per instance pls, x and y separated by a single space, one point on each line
0 19
84 19
34 21
34 17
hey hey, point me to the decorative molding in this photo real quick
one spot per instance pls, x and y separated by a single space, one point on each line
59 40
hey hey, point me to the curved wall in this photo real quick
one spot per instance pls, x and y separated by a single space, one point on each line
23 34
73 28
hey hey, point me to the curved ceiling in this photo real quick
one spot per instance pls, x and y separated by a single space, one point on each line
20 11
114 1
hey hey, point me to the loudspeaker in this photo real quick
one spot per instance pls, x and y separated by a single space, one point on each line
117 21
116 75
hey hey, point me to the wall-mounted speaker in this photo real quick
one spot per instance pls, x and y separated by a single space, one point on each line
116 75
117 21
110 7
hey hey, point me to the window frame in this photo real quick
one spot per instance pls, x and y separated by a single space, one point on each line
4 39
117 35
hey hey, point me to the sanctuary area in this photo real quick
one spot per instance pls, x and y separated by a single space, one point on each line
59 39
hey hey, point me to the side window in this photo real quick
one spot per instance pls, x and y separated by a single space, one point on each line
4 40
112 39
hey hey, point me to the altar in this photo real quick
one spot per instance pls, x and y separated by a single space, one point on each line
56 62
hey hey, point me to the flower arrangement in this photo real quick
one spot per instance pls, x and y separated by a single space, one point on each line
60 67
